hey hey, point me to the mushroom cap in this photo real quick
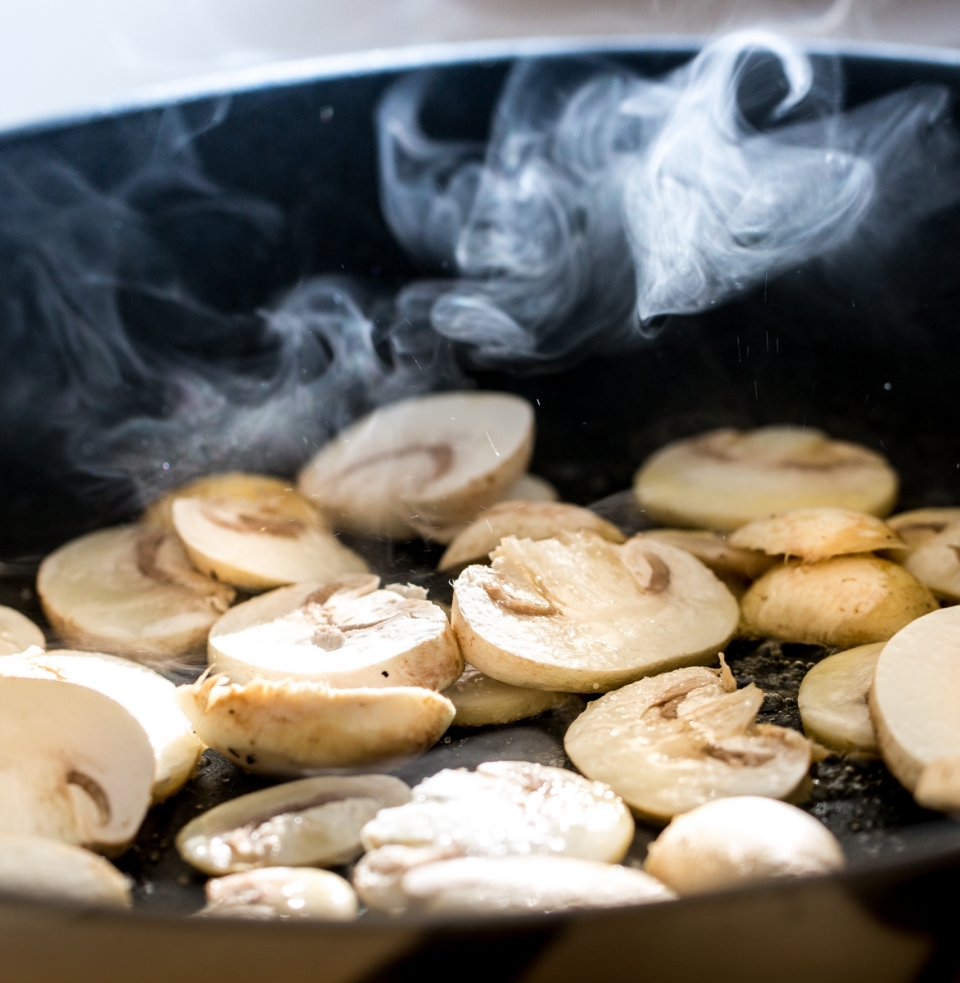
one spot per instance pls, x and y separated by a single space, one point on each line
256 546
287 728
525 520
580 614
920 525
37 867
725 478
311 822
742 838
74 764
144 693
344 632
282 893
935 562
130 591
817 534
18 633
435 459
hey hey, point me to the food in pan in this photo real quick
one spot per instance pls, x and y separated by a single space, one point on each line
283 893
345 632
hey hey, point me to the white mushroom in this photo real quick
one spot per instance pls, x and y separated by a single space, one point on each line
74 764
674 741
287 728
936 562
508 807
131 591
531 488
258 545
525 520
833 700
919 526
735 567
312 822
915 706
433 460
18 633
281 893
844 601
744 838
725 478
37 867
580 614
344 632
149 697
481 700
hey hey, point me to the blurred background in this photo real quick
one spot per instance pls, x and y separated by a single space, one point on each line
60 57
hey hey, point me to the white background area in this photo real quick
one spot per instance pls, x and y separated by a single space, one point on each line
61 57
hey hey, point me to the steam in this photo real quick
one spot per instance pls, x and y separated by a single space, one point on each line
601 202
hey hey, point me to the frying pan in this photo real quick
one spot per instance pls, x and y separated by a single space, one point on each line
869 357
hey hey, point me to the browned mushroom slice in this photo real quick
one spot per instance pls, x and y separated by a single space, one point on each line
434 461
816 534
844 601
724 479
131 591
288 729
578 613
674 741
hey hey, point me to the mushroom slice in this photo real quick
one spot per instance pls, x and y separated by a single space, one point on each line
481 700
74 764
508 807
817 534
725 478
510 885
531 488
344 632
833 700
18 633
257 546
674 741
283 893
580 614
744 838
915 703
435 460
843 602
314 822
525 520
36 867
920 525
145 694
378 874
279 496
288 728
130 591
936 562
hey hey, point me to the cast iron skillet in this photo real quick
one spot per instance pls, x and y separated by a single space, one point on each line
877 367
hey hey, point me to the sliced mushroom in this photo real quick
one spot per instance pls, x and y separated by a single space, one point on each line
843 602
731 841
510 885
74 764
915 704
531 488
287 728
435 460
378 875
18 633
131 591
525 520
279 496
344 632
674 741
314 822
256 546
725 478
149 697
816 534
580 614
833 700
936 562
508 807
282 893
920 525
938 786
481 700
36 867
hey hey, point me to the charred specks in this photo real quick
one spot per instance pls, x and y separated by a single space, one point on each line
251 759
385 674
